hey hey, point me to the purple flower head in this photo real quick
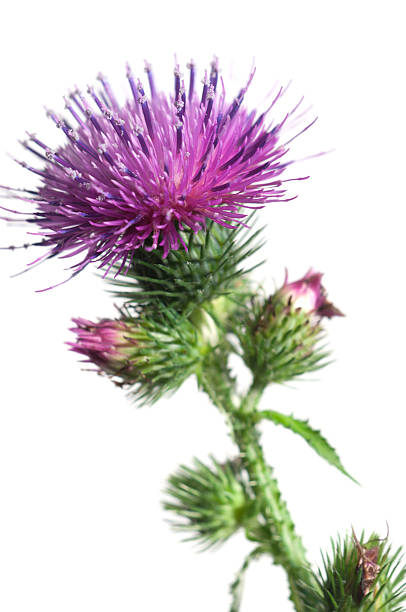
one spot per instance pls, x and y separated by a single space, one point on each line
309 295
108 344
135 175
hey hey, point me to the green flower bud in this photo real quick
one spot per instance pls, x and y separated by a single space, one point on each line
211 502
359 575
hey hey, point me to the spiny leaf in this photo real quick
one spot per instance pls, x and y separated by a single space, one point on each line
312 436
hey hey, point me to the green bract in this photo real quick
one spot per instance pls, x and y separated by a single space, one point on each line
168 351
210 268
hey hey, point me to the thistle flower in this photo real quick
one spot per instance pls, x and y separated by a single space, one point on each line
136 175
309 295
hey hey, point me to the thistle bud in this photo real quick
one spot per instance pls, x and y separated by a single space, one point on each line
279 336
109 344
309 295
212 502
152 355
359 575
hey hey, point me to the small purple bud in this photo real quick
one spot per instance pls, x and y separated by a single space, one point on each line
108 344
309 295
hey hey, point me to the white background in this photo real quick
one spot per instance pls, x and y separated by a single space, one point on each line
81 469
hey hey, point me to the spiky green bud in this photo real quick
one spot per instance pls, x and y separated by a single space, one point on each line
151 353
279 335
359 575
278 341
211 501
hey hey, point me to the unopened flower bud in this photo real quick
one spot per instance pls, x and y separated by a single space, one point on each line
211 501
309 295
109 344
152 355
359 574
280 334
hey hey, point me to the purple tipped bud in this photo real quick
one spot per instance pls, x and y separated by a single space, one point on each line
309 295
108 344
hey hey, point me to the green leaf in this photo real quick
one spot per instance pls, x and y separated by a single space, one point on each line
312 437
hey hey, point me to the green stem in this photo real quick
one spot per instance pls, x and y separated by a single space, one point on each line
237 586
275 531
284 544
